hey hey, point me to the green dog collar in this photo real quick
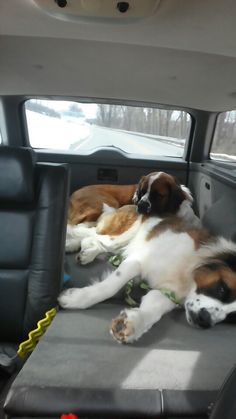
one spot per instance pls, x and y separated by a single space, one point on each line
171 295
129 298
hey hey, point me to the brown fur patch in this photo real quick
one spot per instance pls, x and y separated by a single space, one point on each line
199 235
86 204
162 182
166 194
177 225
117 222
205 277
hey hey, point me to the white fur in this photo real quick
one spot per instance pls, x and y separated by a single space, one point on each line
107 209
195 301
139 320
152 178
166 260
98 244
75 234
187 193
93 244
219 246
148 259
186 212
218 311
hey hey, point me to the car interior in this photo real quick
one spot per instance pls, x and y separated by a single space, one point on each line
105 92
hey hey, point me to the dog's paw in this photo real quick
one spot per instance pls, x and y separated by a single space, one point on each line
126 328
90 249
75 298
86 256
72 245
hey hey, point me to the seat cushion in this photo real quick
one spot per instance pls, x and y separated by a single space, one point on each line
77 360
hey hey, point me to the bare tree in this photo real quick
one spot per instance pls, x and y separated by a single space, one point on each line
152 121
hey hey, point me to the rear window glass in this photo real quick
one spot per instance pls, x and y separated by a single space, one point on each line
83 128
224 141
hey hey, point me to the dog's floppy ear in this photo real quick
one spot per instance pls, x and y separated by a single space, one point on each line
176 197
137 194
187 193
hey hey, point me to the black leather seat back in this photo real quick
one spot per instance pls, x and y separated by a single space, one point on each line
33 206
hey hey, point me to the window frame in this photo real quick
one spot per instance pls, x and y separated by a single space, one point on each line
223 163
88 100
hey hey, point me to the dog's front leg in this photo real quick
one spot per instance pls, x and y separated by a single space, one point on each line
131 324
100 291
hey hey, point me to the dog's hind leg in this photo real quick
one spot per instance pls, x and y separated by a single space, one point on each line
76 233
133 323
90 248
100 291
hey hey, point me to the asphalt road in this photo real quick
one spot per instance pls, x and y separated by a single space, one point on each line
128 142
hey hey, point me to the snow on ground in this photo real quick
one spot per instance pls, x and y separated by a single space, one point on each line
58 134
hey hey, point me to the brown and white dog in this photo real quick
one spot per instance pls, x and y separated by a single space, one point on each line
162 243
87 203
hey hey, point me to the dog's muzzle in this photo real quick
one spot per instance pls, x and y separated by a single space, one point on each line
144 206
201 318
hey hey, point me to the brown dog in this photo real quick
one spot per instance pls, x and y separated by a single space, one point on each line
86 204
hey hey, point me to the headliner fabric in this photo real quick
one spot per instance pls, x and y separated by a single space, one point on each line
77 351
159 75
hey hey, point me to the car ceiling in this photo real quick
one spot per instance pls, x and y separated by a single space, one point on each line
183 55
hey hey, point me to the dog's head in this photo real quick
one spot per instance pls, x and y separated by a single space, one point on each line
213 298
159 193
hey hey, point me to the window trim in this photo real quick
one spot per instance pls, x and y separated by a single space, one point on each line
223 163
188 141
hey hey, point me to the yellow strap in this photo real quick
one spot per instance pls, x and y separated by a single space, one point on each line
34 336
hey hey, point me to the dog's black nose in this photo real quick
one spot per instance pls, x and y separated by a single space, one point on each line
203 318
144 207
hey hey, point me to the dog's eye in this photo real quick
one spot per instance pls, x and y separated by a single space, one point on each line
142 192
223 290
156 194
219 290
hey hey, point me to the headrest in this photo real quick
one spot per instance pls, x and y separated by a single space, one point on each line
16 174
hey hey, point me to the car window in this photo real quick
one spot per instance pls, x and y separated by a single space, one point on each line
224 140
84 127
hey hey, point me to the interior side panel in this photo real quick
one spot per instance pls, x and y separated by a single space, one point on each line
107 166
214 189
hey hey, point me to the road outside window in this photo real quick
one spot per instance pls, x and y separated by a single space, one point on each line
224 141
83 128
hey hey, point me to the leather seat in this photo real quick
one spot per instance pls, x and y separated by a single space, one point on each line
66 362
33 208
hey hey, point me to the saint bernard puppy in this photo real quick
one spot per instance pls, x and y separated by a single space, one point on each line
162 242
